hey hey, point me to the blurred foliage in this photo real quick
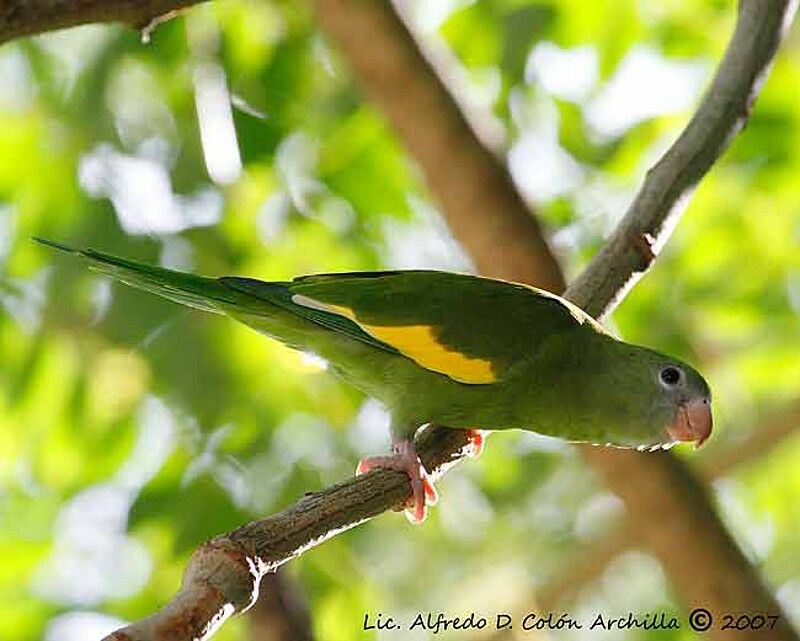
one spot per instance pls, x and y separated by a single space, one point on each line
132 430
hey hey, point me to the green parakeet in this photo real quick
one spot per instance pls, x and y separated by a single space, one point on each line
457 351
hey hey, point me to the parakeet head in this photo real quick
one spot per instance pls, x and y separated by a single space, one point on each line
609 392
658 393
684 388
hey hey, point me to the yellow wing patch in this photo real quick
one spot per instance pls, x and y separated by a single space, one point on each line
418 343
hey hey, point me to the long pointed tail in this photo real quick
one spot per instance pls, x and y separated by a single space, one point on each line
196 291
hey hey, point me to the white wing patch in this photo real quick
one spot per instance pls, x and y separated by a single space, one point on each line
305 301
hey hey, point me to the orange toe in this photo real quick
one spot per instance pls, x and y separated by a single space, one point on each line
405 459
477 439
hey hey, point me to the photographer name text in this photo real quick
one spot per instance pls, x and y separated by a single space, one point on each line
698 619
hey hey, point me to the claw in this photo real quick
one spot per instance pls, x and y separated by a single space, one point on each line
431 495
405 459
477 439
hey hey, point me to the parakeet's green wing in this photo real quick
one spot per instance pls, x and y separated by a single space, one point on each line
472 329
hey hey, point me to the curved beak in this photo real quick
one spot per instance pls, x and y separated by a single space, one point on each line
692 422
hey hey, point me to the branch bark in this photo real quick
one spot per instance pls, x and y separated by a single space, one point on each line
223 575
19 18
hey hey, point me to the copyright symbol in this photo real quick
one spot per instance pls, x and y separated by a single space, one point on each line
700 619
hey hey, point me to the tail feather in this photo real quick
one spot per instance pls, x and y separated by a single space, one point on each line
204 293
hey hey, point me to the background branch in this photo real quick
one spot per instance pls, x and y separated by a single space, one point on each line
280 612
473 187
670 511
593 561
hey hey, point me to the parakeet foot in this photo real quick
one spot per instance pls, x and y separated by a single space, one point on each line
405 459
477 439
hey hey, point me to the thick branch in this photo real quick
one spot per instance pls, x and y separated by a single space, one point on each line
672 515
774 431
20 18
594 560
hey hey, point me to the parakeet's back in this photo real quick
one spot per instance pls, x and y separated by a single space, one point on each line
472 330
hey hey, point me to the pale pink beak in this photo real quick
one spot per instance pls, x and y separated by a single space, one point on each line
692 422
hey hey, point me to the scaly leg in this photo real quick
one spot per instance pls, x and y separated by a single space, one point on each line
405 459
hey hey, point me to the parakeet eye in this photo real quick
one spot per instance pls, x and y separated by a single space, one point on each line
670 376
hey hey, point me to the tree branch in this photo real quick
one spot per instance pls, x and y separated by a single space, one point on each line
722 113
759 442
671 512
20 18
223 575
